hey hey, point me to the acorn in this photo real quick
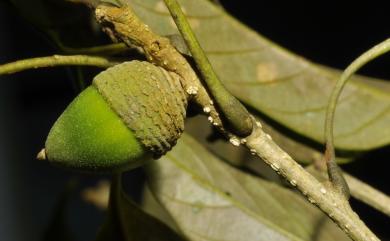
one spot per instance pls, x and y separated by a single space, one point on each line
133 112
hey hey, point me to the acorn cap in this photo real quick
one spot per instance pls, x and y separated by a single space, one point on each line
90 136
150 101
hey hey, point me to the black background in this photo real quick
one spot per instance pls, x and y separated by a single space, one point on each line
331 33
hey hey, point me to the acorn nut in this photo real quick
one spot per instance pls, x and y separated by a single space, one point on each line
132 112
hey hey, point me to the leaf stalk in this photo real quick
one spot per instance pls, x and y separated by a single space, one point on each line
55 60
334 171
236 114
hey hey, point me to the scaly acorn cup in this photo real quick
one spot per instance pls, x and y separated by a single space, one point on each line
131 113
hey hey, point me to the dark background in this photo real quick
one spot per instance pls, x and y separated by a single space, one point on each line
323 31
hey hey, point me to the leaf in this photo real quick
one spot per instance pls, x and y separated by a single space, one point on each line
210 200
48 14
151 206
58 228
127 222
285 87
64 22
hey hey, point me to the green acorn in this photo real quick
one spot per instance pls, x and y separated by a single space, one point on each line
131 113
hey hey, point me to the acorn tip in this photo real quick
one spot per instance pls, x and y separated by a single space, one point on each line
42 155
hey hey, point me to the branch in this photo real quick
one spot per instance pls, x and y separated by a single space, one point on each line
236 113
55 60
323 196
123 25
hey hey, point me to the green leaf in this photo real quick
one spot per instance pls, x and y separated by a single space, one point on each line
210 200
127 222
279 84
